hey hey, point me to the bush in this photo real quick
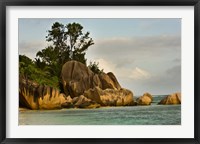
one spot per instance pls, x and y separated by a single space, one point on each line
94 66
29 71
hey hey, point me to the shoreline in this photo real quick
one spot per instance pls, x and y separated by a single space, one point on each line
22 109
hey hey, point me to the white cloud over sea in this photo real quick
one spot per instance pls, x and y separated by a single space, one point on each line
141 64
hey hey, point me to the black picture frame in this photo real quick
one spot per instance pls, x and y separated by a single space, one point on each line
5 3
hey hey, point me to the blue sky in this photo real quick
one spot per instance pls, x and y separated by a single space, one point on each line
144 54
101 28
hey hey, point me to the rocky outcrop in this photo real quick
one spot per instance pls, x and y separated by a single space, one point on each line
34 96
77 78
107 82
104 89
172 99
82 88
114 79
83 102
68 103
80 102
146 99
110 97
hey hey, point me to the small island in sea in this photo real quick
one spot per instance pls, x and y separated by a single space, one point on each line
83 89
60 87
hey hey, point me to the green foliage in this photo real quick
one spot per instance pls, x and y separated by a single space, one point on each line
29 71
49 60
25 59
67 43
24 64
94 66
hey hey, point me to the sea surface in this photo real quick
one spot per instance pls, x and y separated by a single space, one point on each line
131 115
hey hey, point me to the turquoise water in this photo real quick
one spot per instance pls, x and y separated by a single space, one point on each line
135 115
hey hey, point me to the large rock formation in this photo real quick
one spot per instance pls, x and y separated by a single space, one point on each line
77 78
34 96
172 99
104 89
82 88
108 81
146 99
110 97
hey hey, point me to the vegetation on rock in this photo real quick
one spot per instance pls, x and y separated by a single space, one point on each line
68 42
28 70
94 66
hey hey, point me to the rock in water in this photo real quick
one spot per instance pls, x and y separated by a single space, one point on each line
174 98
102 88
35 96
146 99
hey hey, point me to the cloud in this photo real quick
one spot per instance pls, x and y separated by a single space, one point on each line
139 80
126 51
177 60
174 73
122 72
141 64
122 62
106 65
148 43
163 83
31 48
138 73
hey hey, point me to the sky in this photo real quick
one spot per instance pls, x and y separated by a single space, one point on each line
143 53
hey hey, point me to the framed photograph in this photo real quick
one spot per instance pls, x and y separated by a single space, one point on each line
99 71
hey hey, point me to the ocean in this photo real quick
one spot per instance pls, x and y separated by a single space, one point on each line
131 115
